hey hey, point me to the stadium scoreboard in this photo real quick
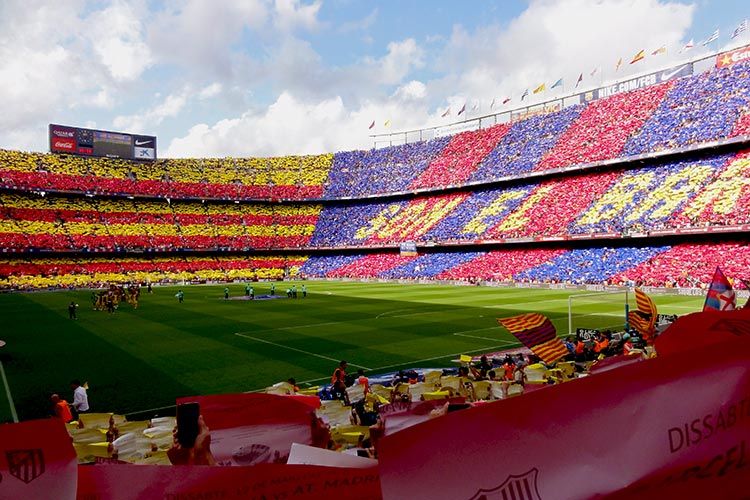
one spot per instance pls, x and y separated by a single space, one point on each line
89 142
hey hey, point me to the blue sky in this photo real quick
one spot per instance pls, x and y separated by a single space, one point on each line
270 77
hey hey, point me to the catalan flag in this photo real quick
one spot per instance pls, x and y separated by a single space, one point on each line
638 57
536 332
720 296
660 50
643 318
540 88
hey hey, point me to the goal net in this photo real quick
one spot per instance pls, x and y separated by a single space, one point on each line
598 311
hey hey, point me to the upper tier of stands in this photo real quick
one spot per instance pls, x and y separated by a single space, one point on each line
683 113
710 192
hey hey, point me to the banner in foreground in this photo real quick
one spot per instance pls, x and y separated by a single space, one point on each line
673 424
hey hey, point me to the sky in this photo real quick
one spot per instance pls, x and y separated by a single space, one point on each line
216 78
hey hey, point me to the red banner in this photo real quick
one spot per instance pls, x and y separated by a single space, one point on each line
676 423
698 330
250 429
268 481
733 56
37 460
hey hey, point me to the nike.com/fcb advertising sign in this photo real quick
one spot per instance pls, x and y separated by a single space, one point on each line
87 142
639 83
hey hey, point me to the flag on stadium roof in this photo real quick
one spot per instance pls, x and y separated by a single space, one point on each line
446 112
372 125
643 318
619 63
660 50
712 38
536 332
463 108
525 93
688 45
720 296
540 88
593 71
742 27
639 56
507 99
387 123
492 104
475 106
558 83
580 79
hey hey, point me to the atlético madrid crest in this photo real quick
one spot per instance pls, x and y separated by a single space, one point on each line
25 465
521 487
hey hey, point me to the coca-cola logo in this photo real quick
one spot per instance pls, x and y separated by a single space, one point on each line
64 144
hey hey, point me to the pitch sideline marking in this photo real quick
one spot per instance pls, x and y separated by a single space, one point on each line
297 350
13 413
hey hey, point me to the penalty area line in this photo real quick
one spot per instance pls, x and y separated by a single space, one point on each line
12 405
297 350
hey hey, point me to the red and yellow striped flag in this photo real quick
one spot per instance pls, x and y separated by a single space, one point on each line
536 332
643 319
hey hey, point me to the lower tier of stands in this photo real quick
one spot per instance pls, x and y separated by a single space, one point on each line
683 265
680 265
92 272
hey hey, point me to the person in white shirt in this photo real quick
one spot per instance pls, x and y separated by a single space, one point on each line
80 398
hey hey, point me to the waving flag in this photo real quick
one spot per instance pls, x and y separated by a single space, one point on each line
372 125
558 83
540 88
593 71
688 46
507 99
446 112
492 104
742 27
712 38
638 57
660 50
619 63
525 93
387 123
580 79
720 296
536 332
463 108
643 319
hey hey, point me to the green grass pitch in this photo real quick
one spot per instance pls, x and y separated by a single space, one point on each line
138 360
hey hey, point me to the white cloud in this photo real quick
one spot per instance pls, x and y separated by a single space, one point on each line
145 121
293 126
411 90
291 14
199 35
402 57
116 35
554 39
210 91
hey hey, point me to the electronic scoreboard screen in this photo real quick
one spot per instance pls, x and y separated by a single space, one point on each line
88 142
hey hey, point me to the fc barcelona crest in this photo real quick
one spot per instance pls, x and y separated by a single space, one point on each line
521 487
25 465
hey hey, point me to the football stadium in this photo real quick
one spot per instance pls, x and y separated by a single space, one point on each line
534 295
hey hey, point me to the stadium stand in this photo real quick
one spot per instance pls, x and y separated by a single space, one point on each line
658 118
200 205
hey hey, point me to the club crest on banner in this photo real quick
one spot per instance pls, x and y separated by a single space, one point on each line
522 487
737 327
25 465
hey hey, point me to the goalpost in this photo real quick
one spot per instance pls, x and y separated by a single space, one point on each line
598 311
